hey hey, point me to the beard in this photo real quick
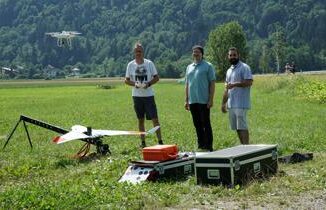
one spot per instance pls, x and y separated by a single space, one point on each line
234 61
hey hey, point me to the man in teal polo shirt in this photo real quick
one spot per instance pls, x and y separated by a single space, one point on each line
200 89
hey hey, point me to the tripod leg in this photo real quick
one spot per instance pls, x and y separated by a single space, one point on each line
29 139
12 132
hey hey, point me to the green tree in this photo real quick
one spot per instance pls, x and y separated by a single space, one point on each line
168 29
108 67
220 40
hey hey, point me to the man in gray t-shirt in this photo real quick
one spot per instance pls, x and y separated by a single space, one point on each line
236 97
141 74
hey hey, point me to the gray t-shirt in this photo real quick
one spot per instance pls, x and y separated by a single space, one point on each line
141 73
238 97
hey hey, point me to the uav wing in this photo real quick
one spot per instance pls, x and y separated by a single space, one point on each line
121 133
78 132
53 34
69 137
74 32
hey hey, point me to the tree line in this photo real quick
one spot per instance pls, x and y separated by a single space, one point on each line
276 31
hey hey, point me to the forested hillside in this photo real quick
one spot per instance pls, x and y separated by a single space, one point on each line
167 28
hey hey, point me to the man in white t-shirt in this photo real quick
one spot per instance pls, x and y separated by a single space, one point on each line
141 74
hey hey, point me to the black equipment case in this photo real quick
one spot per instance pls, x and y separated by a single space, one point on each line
143 170
236 165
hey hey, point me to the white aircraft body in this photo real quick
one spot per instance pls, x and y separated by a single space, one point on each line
79 132
8 69
64 37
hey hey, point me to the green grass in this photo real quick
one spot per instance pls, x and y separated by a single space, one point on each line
46 177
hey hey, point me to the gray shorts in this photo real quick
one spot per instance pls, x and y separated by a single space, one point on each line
238 119
145 106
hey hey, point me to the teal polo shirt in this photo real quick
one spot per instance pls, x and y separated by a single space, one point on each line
198 77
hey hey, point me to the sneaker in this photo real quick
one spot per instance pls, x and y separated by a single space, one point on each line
160 142
142 144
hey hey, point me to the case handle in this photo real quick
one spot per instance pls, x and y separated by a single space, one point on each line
173 156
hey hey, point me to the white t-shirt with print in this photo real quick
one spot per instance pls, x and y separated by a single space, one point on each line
141 73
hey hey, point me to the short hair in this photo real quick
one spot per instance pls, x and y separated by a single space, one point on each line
138 44
234 49
198 47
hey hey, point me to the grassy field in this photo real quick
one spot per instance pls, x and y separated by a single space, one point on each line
48 178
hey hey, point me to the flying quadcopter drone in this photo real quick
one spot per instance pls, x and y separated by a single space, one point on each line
64 37
78 132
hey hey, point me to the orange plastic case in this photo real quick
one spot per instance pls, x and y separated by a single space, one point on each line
160 152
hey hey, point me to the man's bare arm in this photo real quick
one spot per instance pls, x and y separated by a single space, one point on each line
243 83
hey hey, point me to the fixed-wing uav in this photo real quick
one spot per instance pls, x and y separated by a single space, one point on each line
78 132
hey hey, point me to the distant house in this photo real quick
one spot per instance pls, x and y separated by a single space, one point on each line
50 71
75 72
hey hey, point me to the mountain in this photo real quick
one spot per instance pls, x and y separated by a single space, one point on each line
167 29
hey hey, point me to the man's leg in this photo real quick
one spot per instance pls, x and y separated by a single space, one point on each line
140 112
206 123
241 124
196 118
243 136
158 132
141 127
151 113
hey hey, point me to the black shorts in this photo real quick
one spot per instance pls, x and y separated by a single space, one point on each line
145 105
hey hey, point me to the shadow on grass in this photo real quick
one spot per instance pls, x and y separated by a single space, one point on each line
172 179
74 161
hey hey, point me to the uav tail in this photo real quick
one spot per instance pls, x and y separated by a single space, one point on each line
151 131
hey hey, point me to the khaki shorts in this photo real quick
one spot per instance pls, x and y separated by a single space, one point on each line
238 119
